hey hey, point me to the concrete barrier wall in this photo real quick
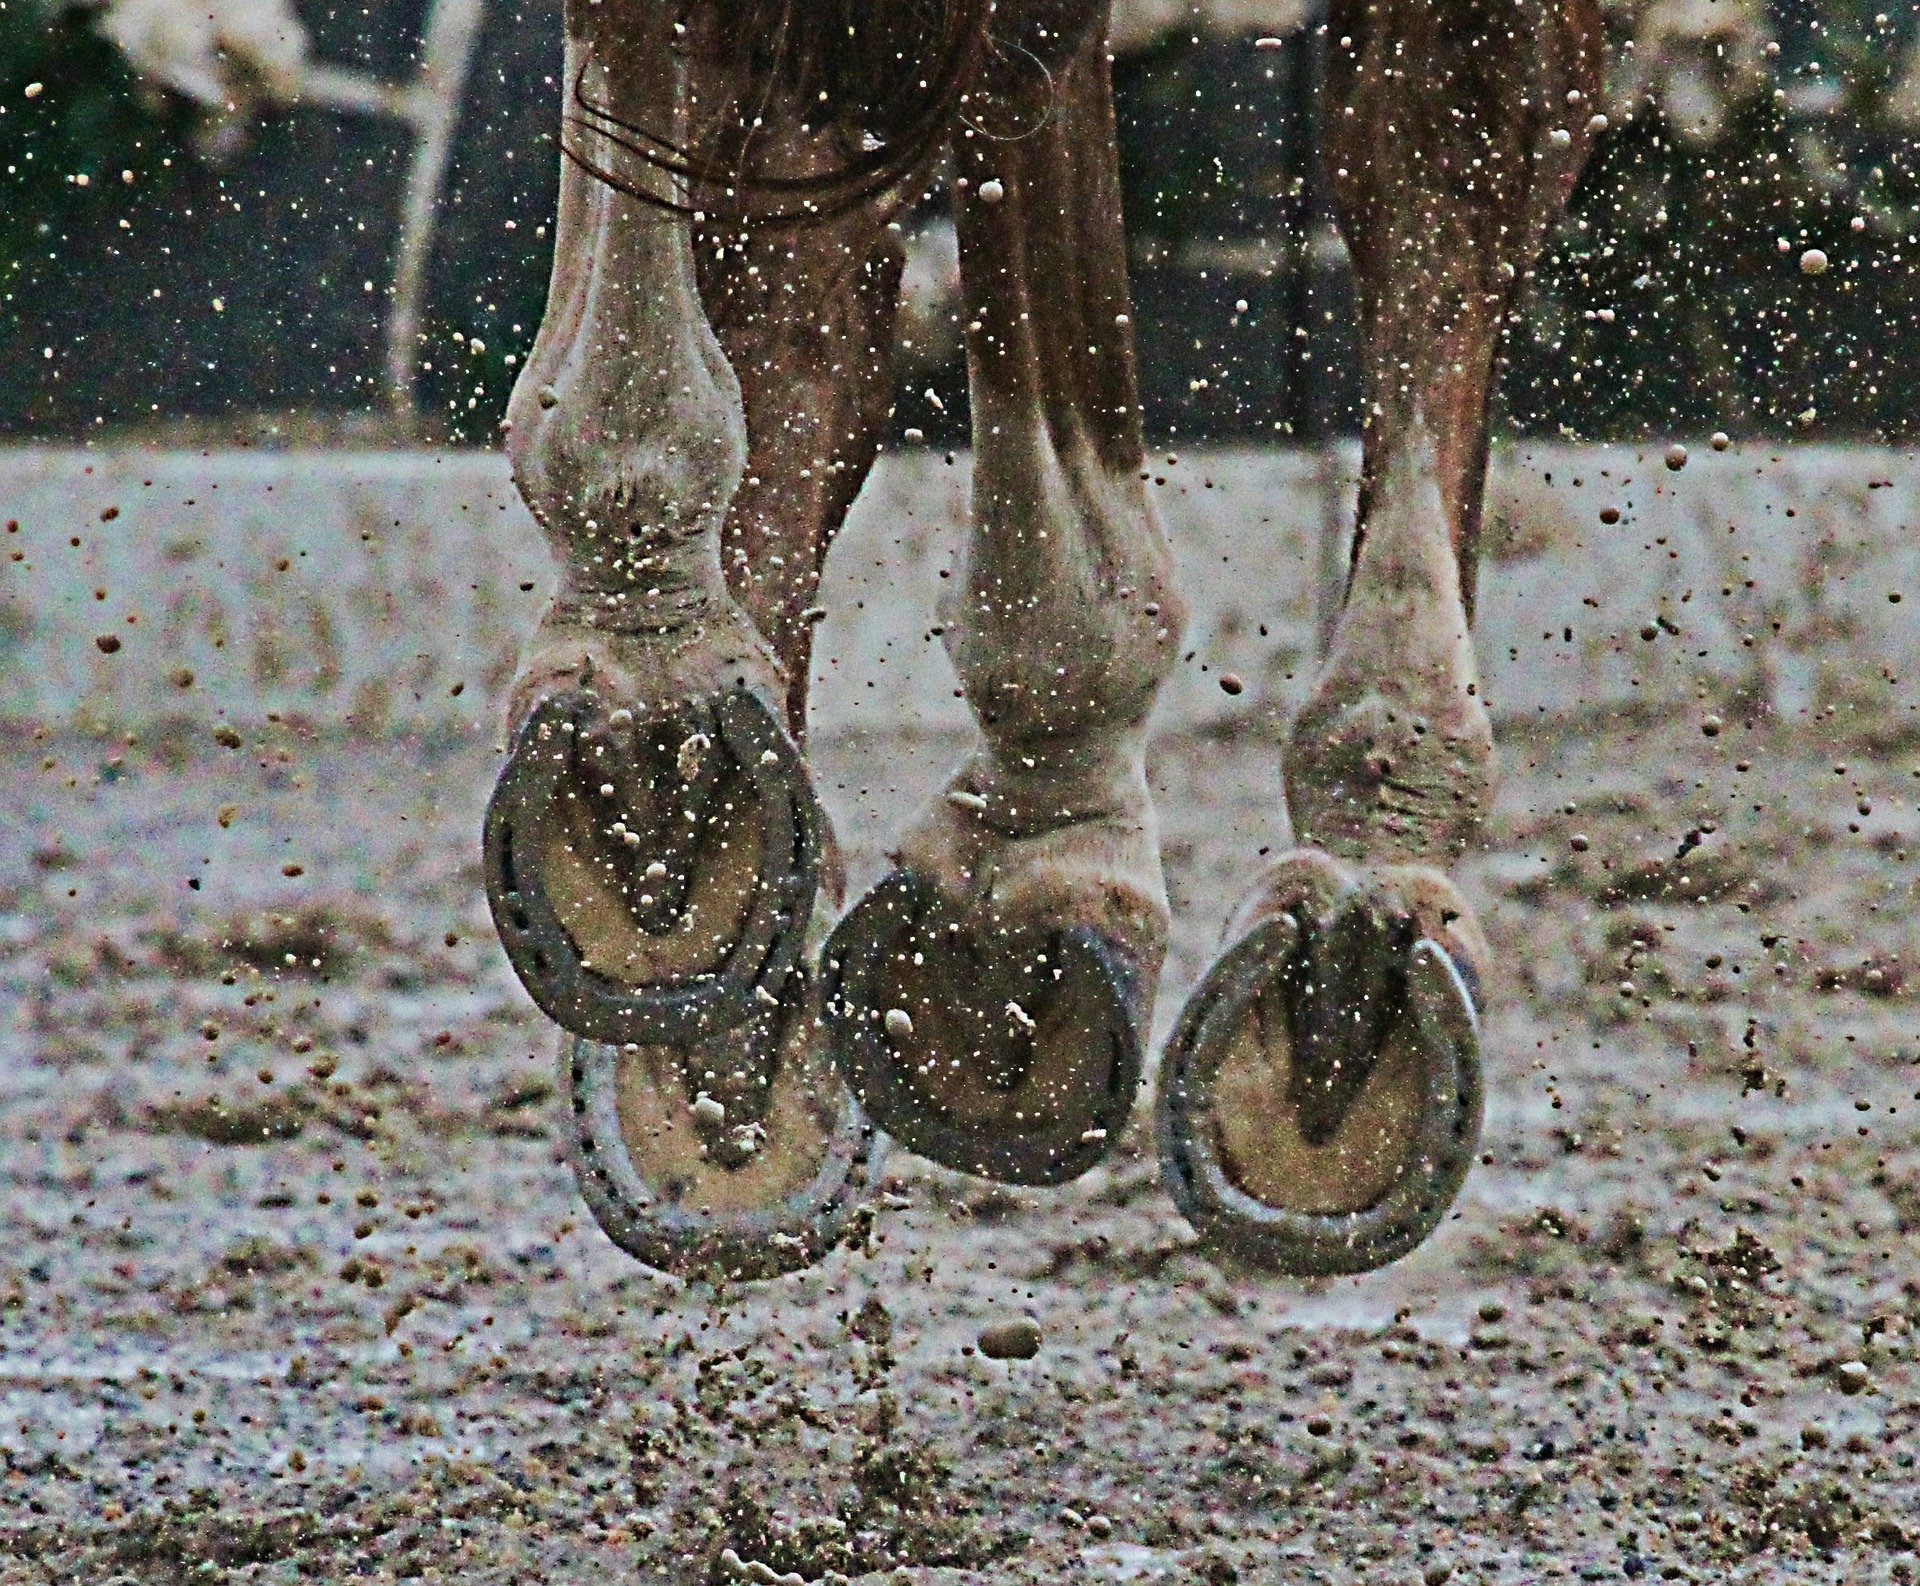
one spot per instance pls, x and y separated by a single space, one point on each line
389 591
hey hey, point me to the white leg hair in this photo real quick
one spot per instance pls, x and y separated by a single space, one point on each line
627 437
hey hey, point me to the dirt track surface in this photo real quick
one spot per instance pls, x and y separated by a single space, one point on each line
294 1284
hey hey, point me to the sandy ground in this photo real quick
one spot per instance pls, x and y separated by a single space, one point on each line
294 1284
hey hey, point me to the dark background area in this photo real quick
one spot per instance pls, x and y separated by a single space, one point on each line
107 292
287 237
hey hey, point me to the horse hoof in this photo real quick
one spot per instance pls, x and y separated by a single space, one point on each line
740 1158
651 874
1012 1053
1315 1140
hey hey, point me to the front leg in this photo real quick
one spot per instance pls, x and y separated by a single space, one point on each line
990 998
652 847
1320 1101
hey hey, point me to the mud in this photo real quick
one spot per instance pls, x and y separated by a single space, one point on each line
294 1284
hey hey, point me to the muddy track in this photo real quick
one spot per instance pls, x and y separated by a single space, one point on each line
294 1284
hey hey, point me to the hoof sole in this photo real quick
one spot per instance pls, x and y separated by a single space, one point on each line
693 1198
1233 1150
1017 1059
559 873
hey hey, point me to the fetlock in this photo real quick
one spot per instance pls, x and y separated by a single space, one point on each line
1392 759
644 672
1063 836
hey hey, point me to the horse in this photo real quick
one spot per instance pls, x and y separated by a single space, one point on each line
706 395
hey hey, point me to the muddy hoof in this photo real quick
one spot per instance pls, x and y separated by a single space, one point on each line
651 877
743 1157
1014 1056
1320 1098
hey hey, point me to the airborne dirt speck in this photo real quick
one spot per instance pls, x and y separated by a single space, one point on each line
1017 1339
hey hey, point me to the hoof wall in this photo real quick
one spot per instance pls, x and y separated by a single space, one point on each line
1249 1152
742 1158
649 879
1014 1056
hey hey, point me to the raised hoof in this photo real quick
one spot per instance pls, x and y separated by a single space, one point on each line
741 1158
1313 1140
651 878
1014 1056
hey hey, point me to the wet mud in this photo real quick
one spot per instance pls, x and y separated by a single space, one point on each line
294 1284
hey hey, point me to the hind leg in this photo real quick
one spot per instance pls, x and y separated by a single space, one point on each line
1321 1096
653 846
989 999
806 316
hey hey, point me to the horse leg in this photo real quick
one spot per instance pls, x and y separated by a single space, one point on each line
652 846
806 316
988 1000
1320 1102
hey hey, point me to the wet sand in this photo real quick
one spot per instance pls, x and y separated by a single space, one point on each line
294 1284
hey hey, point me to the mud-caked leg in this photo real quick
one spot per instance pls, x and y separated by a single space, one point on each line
989 999
652 848
1320 1102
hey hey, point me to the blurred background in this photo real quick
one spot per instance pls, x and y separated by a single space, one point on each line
277 220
